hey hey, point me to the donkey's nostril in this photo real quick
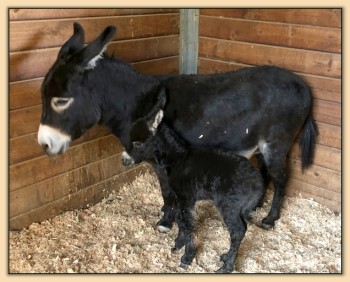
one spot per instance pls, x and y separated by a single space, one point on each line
45 147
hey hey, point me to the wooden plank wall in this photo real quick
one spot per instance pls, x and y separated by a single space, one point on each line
42 187
305 41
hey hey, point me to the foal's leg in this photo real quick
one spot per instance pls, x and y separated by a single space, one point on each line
168 209
237 228
185 222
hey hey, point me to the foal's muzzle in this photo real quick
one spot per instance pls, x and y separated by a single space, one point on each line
126 159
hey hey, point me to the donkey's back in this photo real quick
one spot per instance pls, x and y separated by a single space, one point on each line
238 110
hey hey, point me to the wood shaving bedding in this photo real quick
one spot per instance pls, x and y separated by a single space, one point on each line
118 235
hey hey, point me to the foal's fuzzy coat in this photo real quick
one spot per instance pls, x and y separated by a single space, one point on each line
230 181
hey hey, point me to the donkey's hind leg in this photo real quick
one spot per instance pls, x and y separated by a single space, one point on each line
265 175
275 158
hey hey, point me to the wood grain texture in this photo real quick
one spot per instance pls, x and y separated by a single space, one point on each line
327 112
326 157
129 50
276 34
25 148
329 135
138 50
42 168
169 65
47 34
55 188
323 88
41 14
81 199
296 188
316 175
311 62
25 94
316 17
24 121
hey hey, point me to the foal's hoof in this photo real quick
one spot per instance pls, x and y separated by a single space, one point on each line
163 229
223 257
184 265
163 226
224 270
227 267
175 250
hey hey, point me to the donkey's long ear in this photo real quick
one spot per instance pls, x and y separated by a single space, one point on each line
73 44
87 57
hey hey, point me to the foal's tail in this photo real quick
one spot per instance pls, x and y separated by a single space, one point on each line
307 142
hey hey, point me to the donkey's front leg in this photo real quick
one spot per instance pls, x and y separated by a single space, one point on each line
168 209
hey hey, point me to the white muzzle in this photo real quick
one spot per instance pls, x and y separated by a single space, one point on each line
52 140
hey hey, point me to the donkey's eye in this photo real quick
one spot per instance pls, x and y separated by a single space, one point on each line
60 104
137 144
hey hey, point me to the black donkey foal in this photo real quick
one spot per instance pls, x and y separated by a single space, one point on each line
230 181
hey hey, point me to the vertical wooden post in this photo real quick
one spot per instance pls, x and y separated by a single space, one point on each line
188 41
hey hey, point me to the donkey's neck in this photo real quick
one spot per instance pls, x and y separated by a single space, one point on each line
124 93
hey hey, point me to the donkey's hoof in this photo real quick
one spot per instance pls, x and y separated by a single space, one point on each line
266 226
267 223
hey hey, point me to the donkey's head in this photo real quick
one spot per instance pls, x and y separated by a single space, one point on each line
69 108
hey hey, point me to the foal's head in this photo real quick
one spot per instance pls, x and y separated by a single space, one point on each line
143 143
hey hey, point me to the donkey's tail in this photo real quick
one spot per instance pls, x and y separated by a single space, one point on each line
307 142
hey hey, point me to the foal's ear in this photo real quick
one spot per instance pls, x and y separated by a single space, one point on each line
155 121
73 45
154 118
88 56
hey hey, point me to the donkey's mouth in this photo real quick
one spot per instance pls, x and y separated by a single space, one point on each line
53 153
52 140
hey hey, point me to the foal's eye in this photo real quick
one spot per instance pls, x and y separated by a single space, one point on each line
60 104
137 144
